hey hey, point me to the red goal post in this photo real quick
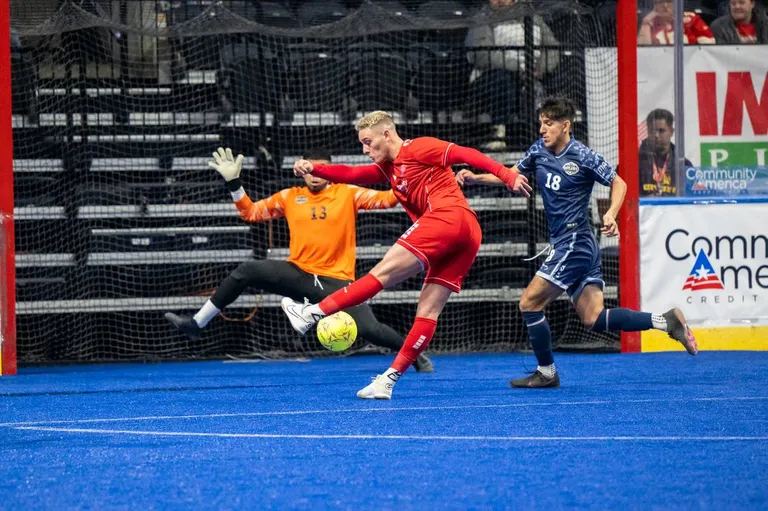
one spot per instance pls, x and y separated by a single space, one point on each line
7 252
629 247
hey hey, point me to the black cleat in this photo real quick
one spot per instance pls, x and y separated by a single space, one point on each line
536 381
185 324
678 330
423 364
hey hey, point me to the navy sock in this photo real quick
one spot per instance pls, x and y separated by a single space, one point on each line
625 320
540 336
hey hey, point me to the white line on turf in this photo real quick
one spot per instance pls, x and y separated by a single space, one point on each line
382 409
489 438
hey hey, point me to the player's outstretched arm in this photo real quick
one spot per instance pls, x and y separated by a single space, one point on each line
618 191
466 177
262 210
230 168
513 180
365 198
362 174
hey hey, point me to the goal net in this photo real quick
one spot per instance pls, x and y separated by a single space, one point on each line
119 104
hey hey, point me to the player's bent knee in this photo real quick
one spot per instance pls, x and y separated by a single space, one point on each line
253 272
595 320
243 271
382 273
392 272
528 305
432 301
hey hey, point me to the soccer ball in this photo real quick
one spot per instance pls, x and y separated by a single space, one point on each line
337 332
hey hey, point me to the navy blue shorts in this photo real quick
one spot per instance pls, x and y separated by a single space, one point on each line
573 263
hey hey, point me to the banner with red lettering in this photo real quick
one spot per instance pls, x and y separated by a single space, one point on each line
726 111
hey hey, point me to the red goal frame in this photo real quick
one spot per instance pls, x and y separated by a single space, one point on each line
629 247
7 250
629 272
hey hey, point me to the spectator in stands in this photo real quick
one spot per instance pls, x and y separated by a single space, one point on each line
496 78
658 27
744 24
657 156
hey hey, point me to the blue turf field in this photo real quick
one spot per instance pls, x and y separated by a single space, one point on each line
662 431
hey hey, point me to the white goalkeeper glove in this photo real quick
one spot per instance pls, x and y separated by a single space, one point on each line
226 165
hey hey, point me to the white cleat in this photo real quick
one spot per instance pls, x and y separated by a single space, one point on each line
380 388
301 321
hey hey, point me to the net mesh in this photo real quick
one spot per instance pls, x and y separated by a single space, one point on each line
118 105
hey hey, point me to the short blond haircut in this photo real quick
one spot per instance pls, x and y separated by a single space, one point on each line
377 118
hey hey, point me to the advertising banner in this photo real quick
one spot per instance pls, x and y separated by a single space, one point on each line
726 181
725 104
712 262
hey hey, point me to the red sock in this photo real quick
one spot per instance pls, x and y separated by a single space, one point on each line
351 295
416 341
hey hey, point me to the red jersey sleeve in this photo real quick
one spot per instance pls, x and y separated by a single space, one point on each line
429 150
363 174
476 159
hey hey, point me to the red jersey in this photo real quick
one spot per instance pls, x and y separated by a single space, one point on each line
422 179
747 32
421 175
695 29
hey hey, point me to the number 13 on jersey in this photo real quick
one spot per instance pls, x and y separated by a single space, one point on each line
319 213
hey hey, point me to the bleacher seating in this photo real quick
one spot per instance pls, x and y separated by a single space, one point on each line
379 76
319 13
132 250
444 10
278 15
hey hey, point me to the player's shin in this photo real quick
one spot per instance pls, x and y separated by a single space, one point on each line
541 341
206 313
227 292
415 343
627 320
356 293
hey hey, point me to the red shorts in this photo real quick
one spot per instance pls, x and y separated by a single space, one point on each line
446 242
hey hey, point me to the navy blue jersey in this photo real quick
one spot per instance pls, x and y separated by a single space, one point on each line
565 181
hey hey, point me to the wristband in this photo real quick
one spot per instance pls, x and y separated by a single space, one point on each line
234 185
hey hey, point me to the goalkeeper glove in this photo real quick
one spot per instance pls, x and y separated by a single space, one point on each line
226 165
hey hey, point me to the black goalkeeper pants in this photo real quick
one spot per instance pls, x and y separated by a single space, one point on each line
287 279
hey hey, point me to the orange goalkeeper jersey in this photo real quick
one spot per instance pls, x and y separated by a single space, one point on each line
322 224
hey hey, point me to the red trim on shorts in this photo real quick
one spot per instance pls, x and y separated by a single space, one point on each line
442 282
415 251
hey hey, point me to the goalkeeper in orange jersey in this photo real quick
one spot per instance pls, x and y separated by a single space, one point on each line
321 219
